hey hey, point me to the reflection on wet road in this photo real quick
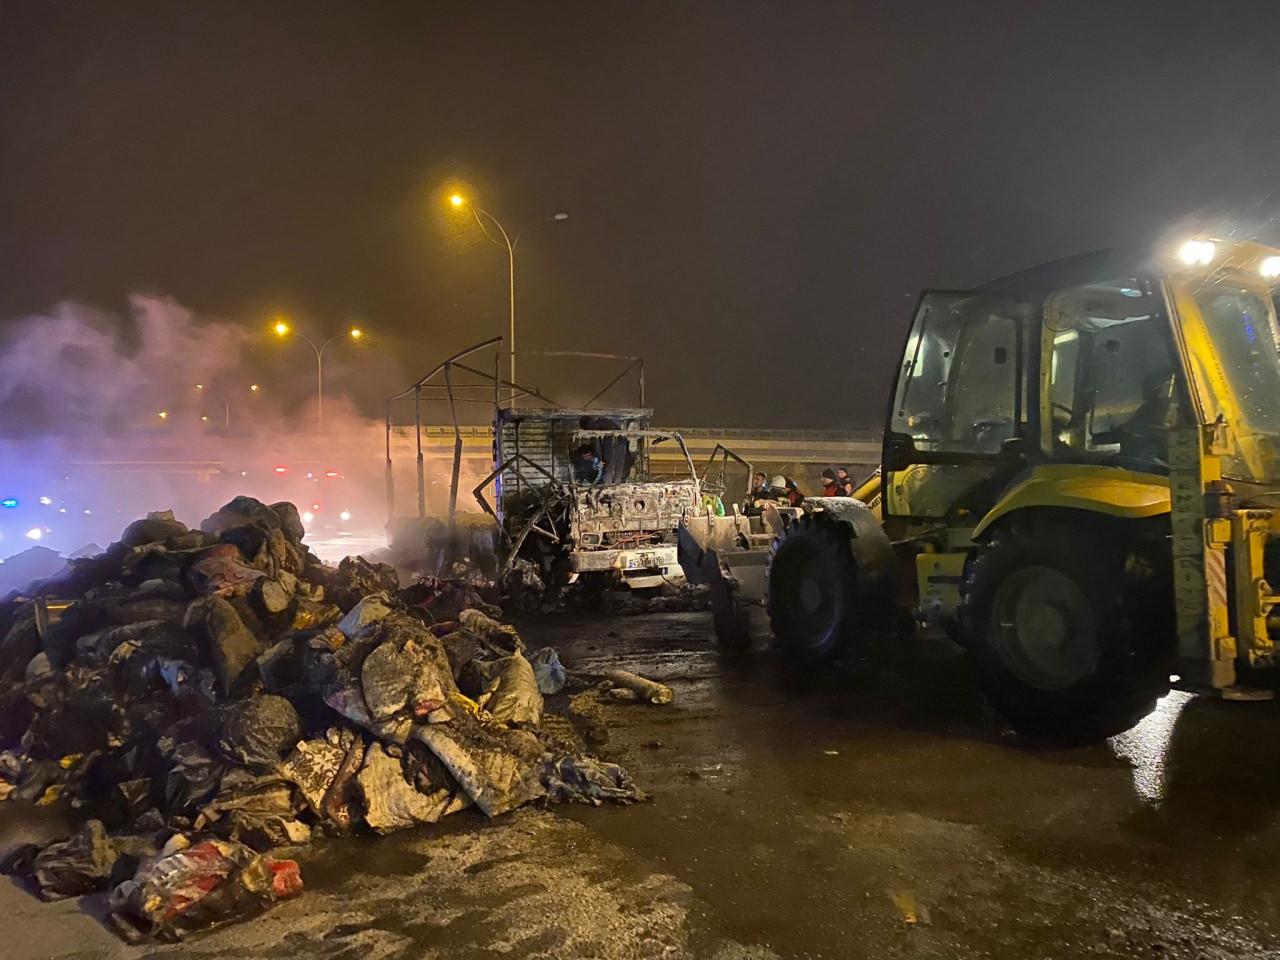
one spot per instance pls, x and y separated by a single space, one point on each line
1146 746
874 812
802 809
333 549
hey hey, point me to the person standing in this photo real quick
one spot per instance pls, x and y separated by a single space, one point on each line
830 488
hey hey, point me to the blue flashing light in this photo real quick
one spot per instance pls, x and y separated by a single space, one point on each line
9 502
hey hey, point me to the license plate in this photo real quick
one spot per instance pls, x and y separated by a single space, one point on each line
642 560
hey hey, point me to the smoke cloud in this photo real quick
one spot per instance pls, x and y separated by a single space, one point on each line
101 421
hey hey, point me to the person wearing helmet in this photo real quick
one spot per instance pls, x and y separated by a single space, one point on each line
774 491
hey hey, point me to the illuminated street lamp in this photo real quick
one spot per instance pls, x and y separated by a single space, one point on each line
226 408
226 405
458 202
282 329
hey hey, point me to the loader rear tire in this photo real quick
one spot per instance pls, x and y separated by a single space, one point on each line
812 581
1068 621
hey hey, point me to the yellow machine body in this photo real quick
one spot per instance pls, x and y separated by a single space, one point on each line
960 460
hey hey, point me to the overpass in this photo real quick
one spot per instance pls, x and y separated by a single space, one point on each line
783 450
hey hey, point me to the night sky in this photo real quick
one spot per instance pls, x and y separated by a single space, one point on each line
757 191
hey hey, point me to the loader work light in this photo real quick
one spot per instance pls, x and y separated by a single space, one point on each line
1197 253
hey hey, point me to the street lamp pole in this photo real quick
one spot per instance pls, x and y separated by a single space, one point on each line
477 212
226 409
355 333
510 243
319 375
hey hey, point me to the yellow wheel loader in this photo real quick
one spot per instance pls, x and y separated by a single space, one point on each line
1080 483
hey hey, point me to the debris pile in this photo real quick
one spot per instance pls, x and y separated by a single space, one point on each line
676 598
203 698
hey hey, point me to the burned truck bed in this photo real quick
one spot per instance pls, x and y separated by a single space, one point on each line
617 527
559 518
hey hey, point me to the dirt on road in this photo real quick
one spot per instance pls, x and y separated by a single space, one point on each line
882 812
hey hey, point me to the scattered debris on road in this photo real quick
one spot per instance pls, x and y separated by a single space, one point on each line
622 682
203 698
912 911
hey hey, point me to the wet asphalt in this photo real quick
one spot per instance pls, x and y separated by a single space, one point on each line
876 810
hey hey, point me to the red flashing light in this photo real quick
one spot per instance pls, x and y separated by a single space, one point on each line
315 507
331 474
282 469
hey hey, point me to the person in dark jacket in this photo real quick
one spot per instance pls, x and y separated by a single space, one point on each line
829 486
588 468
844 482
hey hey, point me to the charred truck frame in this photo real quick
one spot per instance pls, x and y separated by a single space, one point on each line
619 527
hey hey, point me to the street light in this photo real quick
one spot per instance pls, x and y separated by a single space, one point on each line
226 405
282 329
458 201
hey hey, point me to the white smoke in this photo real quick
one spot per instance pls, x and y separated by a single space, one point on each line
84 448
77 372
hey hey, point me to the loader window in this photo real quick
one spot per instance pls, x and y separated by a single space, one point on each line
1111 374
958 386
1243 327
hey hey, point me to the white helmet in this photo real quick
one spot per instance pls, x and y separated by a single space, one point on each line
778 482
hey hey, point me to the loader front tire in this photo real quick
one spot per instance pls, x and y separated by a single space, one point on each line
812 580
1068 621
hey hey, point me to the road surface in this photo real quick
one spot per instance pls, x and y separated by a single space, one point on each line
881 815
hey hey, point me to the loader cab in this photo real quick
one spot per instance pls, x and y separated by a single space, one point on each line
1072 363
1094 360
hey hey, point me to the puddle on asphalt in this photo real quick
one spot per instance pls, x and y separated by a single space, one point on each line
1145 746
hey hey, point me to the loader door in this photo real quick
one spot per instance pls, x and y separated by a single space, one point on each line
959 412
1111 386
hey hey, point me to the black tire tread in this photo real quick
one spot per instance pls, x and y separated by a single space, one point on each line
829 538
1135 625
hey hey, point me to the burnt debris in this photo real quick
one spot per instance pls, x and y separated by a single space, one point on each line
204 700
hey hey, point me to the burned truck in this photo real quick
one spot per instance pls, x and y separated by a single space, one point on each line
607 524
583 493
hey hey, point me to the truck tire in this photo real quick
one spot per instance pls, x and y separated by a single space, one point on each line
1068 620
812 585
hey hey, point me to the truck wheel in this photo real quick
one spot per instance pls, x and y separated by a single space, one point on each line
811 588
1069 623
